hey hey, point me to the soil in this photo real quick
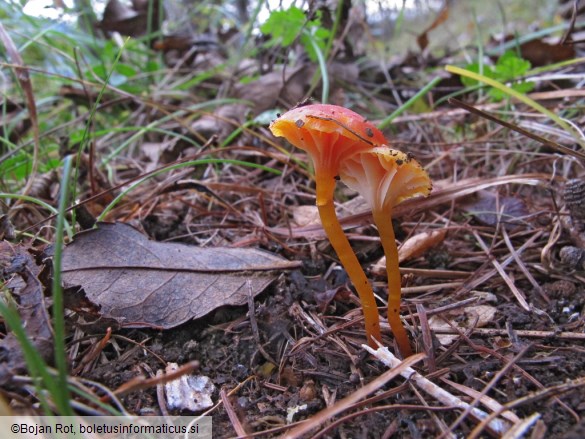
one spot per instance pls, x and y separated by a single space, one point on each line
292 369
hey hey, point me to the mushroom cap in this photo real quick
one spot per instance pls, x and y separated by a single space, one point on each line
385 177
328 133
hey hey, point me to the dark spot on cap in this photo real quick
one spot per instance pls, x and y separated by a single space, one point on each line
399 162
369 132
337 178
299 123
278 115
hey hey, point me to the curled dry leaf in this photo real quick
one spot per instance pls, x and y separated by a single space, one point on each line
305 216
22 274
477 316
489 209
142 283
263 93
413 247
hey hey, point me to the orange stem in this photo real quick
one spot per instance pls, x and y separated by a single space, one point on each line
348 259
383 221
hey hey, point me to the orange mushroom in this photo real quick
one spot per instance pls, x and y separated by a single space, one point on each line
331 135
386 177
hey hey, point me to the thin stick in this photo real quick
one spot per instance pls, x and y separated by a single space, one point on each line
519 296
577 154
324 415
383 354
238 427
490 332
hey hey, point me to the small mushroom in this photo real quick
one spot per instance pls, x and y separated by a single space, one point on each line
386 177
331 135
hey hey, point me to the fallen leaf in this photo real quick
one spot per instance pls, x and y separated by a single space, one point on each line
6 228
130 20
323 299
264 93
437 324
142 283
423 39
17 265
14 122
483 313
305 216
489 209
413 247
540 53
477 316
420 243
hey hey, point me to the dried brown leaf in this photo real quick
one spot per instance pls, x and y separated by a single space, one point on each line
305 216
145 283
489 209
28 292
130 20
413 247
476 316
423 39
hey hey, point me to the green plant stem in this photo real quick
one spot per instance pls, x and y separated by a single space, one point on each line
521 97
58 306
388 120
384 223
322 68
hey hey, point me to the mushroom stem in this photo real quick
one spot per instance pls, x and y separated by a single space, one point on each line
383 221
348 259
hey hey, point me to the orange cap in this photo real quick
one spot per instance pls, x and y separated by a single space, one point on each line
328 133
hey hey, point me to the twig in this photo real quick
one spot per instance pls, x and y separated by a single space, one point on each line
426 336
254 325
490 386
240 431
519 430
576 154
471 284
519 296
400 368
490 403
383 354
492 332
533 397
146 383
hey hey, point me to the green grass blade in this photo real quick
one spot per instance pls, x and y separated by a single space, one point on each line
58 308
521 97
40 203
323 69
37 367
388 120
116 200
